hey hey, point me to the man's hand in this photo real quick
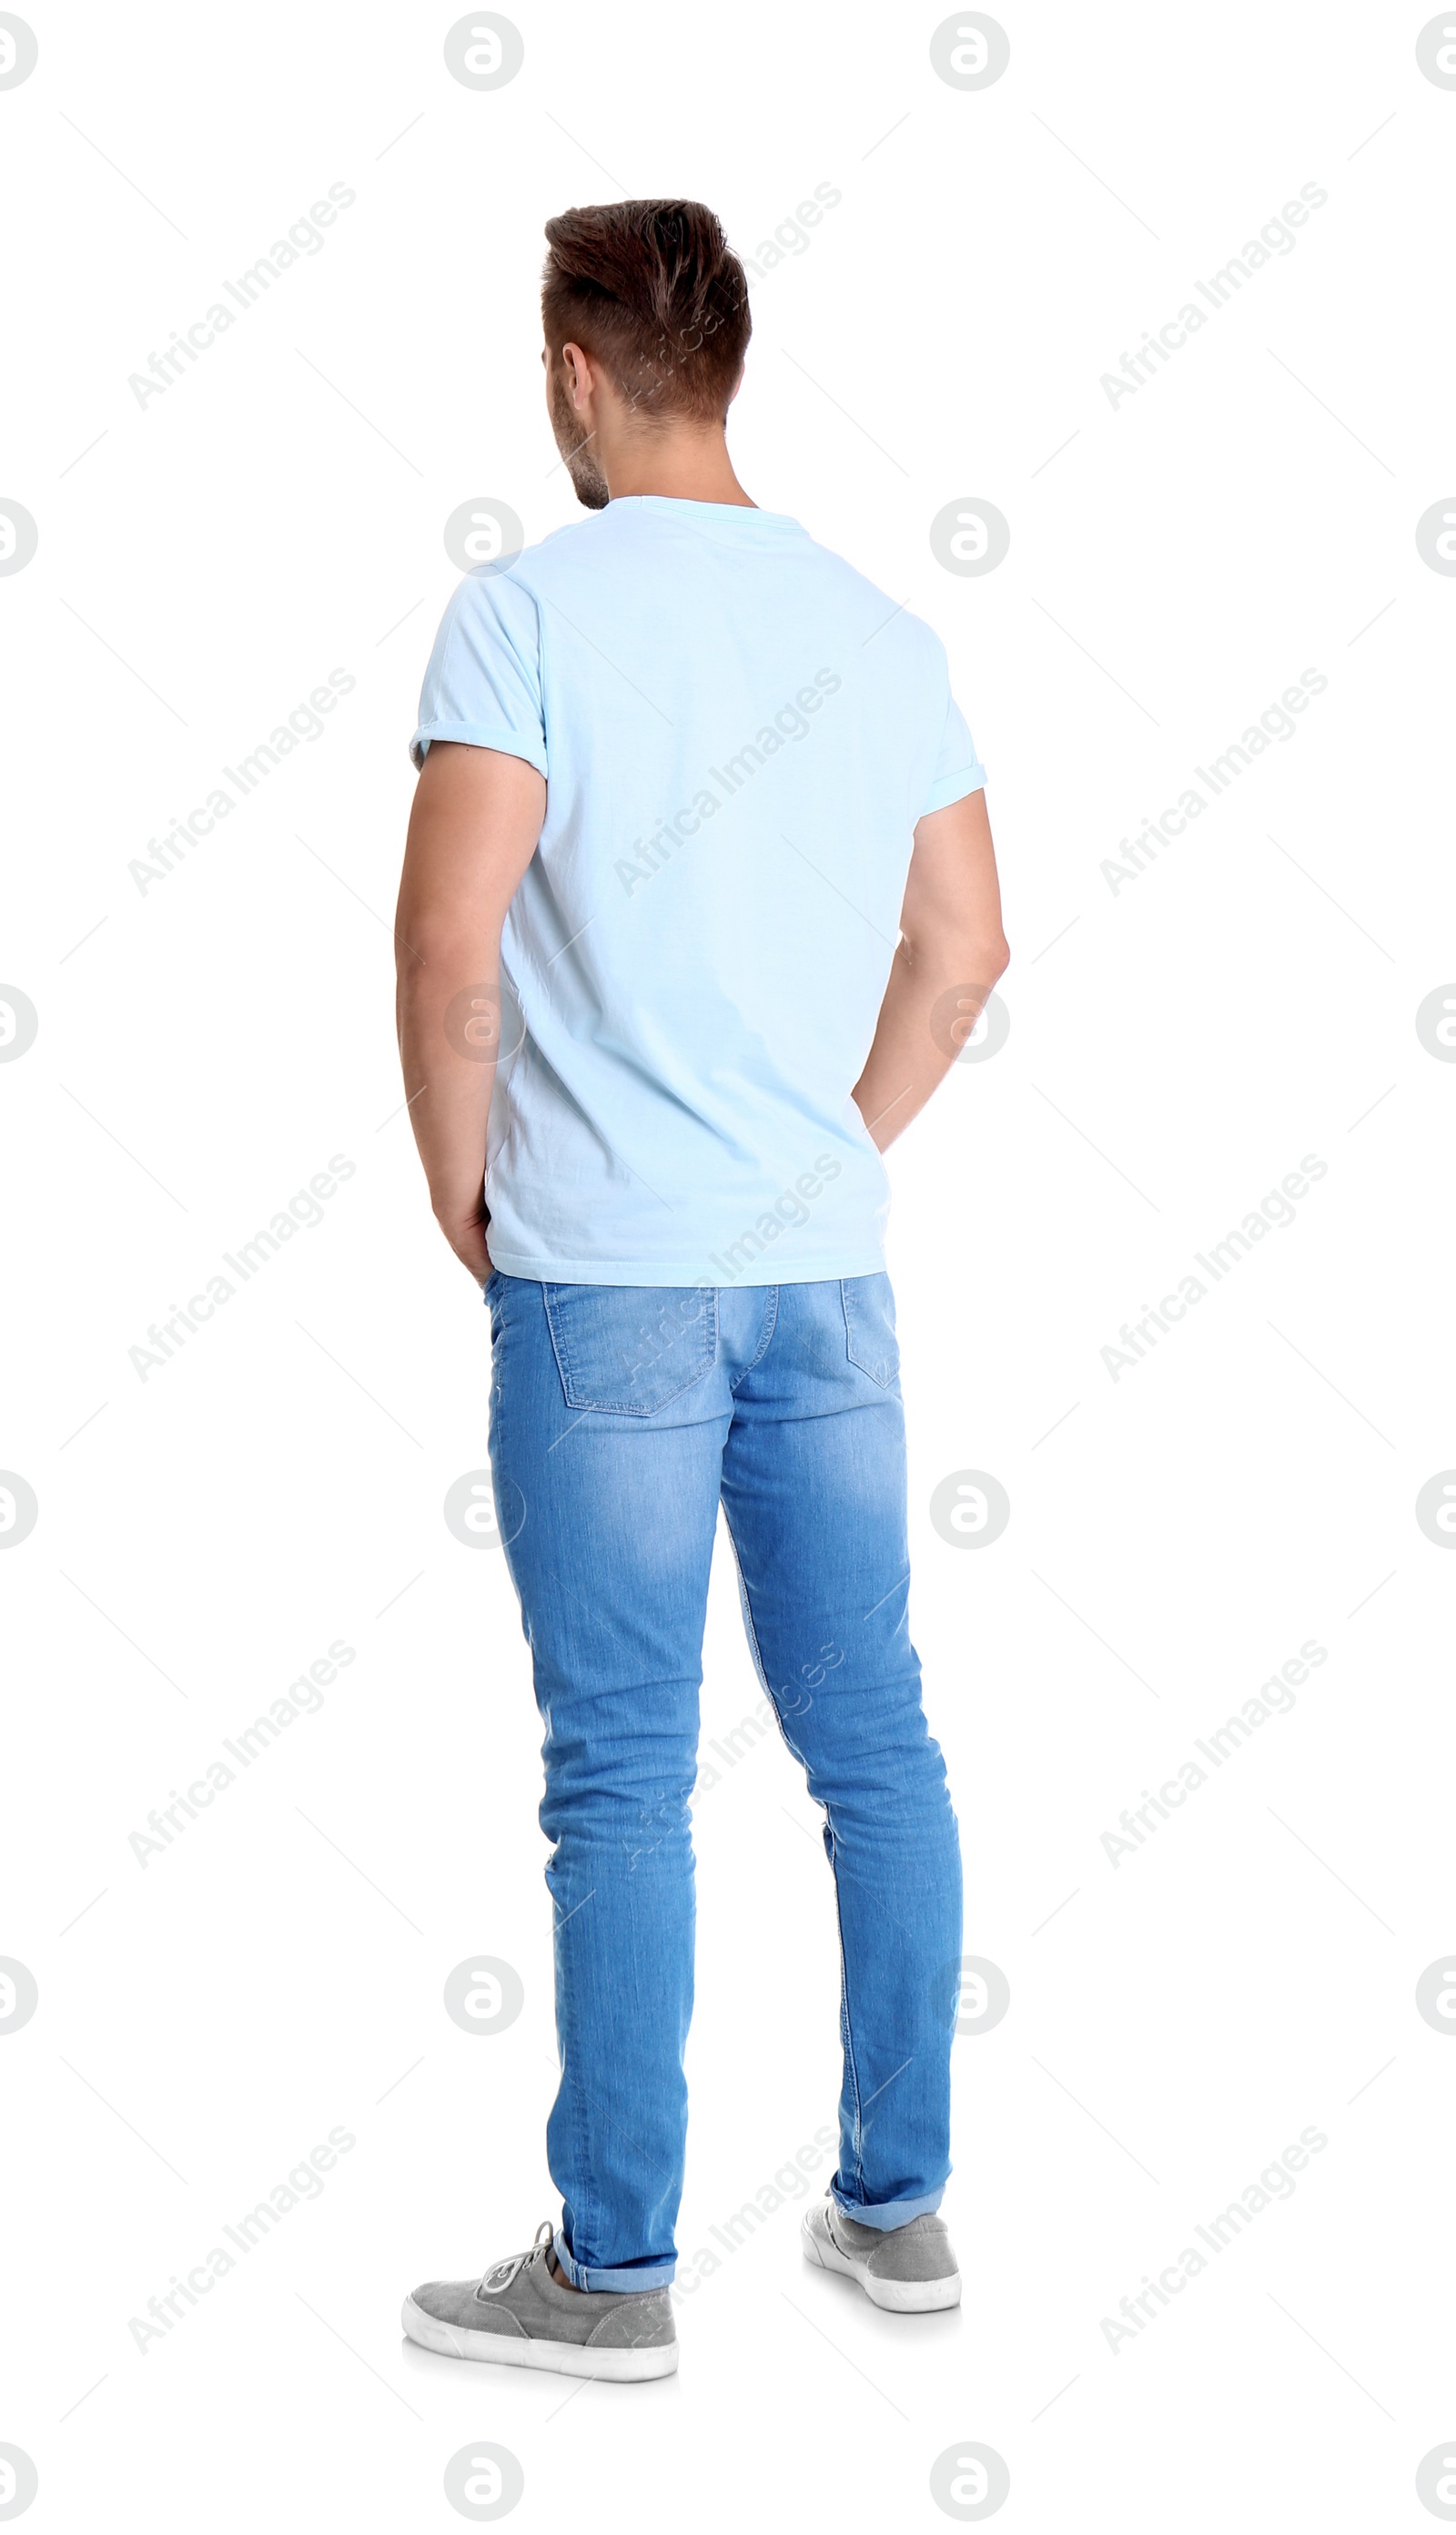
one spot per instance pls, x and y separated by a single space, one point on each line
950 953
475 827
468 1241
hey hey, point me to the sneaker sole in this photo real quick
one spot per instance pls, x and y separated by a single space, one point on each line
563 2358
896 2297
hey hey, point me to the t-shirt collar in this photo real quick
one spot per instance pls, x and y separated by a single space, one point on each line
736 520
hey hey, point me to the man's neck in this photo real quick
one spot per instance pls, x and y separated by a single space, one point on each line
678 465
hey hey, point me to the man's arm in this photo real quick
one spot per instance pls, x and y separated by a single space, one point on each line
950 953
473 829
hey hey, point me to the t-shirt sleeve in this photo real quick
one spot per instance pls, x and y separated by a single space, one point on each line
957 769
483 684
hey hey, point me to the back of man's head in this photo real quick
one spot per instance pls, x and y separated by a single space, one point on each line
654 292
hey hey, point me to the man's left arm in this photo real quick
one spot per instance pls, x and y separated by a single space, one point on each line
951 953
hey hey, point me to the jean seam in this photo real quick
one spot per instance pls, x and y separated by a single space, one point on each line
764 1344
580 2099
850 2061
847 2031
756 1651
582 2130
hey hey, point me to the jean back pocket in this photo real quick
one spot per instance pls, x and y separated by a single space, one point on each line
631 1350
870 1327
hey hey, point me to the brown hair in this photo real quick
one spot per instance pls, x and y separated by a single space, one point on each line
655 293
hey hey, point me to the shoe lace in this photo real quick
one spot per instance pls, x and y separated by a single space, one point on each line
501 2274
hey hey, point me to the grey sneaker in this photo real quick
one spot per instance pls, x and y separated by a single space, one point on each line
909 2269
521 2317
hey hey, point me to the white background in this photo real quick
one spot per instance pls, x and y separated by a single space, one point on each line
1175 1048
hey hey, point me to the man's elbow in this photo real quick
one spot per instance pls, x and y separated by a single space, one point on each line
429 935
984 956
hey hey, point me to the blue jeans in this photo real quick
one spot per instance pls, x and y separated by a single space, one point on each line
621 1416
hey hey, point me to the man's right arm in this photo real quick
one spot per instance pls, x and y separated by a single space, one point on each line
475 827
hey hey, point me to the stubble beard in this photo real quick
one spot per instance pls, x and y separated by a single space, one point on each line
588 482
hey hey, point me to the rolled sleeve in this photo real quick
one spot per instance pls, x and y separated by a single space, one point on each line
954 787
957 768
510 743
483 684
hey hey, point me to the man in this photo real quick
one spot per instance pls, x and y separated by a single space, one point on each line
699 904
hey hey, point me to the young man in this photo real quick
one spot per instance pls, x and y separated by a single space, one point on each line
699 904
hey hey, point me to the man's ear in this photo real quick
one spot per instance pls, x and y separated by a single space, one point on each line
579 372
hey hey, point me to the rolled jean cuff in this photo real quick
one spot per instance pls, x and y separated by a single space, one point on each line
885 2214
585 2275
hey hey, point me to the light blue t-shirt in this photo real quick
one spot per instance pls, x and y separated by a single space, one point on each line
738 735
